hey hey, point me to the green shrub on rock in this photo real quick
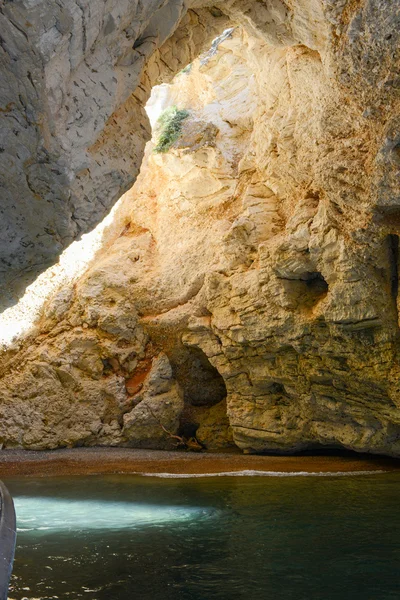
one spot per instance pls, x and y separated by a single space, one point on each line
169 125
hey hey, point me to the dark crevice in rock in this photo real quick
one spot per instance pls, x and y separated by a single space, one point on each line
216 12
317 284
306 291
201 383
396 154
388 216
187 428
203 388
394 265
277 388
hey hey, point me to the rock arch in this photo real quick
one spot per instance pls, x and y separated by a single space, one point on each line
76 76
294 298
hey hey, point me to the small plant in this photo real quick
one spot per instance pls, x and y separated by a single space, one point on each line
170 125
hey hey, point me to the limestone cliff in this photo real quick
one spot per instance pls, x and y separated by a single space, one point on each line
253 266
75 77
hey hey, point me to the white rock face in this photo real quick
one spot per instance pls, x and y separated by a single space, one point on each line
259 254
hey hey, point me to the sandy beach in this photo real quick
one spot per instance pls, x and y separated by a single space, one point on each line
87 461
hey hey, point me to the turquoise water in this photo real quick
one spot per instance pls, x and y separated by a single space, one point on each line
224 538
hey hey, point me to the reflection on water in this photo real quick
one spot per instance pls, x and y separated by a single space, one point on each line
54 515
252 538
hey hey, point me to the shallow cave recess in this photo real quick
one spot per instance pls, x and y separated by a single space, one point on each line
316 285
202 385
306 291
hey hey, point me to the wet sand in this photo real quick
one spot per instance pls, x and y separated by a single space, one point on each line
90 461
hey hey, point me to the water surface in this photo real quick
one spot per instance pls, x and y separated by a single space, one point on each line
270 538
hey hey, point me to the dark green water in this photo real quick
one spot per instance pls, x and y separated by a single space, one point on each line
250 538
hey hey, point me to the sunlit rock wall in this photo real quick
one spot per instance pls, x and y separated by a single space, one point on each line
93 349
72 124
75 76
258 258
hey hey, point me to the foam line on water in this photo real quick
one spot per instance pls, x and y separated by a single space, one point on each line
254 473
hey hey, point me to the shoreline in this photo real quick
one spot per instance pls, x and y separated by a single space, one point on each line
101 461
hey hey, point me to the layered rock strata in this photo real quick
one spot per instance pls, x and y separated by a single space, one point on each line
76 74
255 264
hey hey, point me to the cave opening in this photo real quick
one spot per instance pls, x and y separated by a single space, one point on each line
202 384
167 238
204 395
317 285
18 318
242 293
191 246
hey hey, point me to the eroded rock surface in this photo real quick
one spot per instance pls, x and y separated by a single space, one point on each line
257 259
75 77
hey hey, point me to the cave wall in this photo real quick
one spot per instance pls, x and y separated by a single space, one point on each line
73 83
267 238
